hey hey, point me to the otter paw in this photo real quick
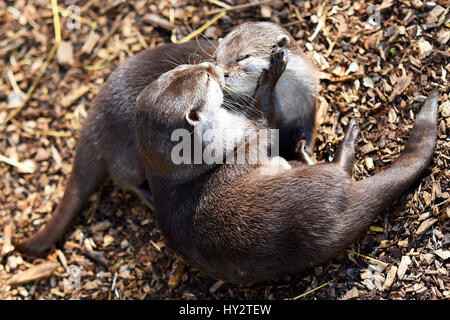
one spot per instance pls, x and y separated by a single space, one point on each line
352 131
278 62
303 154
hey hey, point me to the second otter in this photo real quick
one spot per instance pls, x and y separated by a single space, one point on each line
245 53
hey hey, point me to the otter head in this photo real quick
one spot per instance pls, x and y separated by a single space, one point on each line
245 52
180 118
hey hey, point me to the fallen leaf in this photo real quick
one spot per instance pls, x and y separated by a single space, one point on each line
425 226
176 273
403 267
443 254
353 293
41 271
64 55
400 86
390 277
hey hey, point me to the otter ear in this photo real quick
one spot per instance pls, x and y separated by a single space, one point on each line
193 117
283 41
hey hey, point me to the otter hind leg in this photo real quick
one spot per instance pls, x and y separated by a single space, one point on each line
144 193
345 155
303 154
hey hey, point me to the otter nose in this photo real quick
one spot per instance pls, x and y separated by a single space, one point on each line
215 72
221 79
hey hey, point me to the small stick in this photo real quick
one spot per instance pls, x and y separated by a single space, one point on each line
311 291
56 22
7 236
12 81
349 77
24 167
220 4
40 132
196 32
176 273
13 113
216 286
155 245
369 258
97 256
113 286
238 7
319 26
62 259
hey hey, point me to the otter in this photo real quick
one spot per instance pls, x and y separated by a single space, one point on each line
244 53
107 146
242 222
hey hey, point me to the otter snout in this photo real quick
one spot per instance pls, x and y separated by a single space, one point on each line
215 72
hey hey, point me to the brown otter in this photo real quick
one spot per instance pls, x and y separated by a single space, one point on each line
239 224
245 52
107 145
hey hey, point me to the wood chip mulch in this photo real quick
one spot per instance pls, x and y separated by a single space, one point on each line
378 65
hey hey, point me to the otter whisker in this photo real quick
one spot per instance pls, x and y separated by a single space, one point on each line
244 109
173 59
198 42
232 91
241 102
176 64
208 40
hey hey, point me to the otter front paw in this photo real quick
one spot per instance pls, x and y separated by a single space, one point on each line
278 62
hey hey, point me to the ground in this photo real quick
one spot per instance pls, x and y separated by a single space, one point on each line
378 62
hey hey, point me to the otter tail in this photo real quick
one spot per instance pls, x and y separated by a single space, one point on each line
371 196
87 173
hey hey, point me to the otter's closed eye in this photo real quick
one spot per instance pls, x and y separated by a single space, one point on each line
240 58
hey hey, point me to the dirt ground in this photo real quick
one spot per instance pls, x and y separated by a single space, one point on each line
379 60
